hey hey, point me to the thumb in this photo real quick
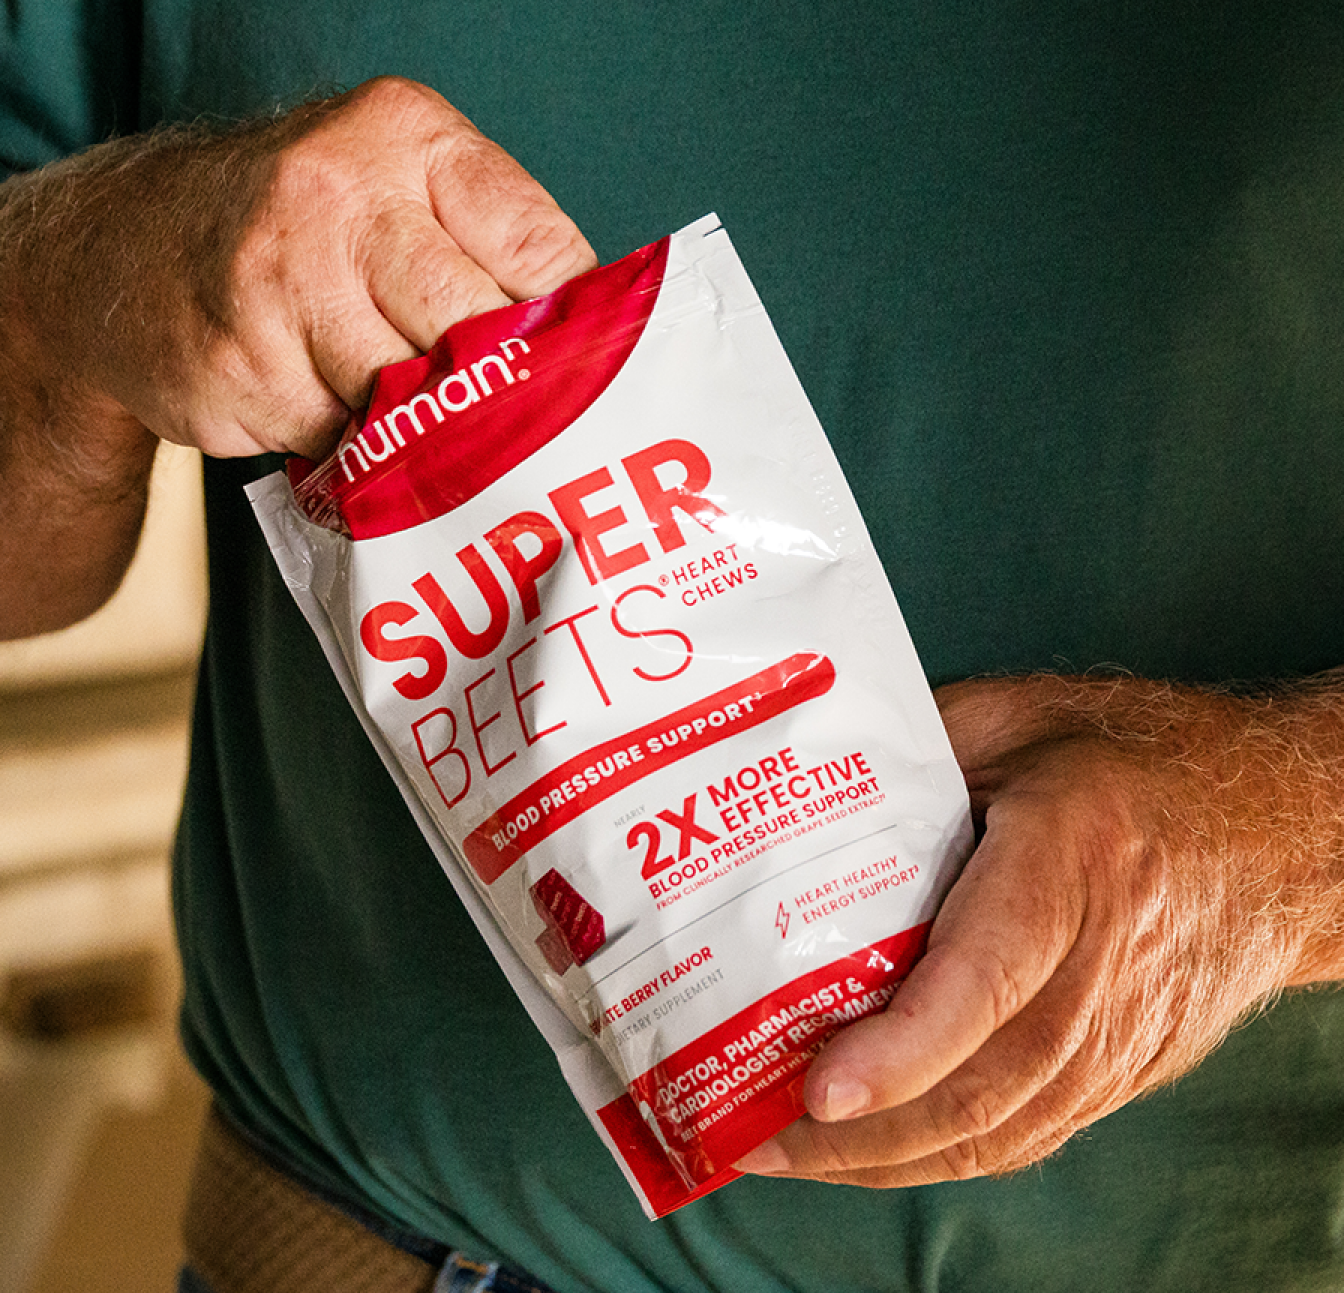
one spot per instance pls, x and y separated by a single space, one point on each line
995 944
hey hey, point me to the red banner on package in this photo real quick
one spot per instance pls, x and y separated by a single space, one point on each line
579 783
752 1065
494 389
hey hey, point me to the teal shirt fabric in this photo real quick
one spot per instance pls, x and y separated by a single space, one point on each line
1065 283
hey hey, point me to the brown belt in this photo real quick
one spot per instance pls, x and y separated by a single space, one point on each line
250 1229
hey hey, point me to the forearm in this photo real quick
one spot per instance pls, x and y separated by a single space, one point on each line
1305 740
1248 791
80 305
73 484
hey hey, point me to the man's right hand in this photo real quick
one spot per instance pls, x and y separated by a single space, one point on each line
234 292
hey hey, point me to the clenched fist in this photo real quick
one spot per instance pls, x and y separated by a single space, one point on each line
1154 862
236 292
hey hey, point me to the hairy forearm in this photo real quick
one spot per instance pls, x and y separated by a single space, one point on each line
73 476
1301 729
82 306
73 484
1250 786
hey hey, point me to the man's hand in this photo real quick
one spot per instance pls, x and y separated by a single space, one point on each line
1153 864
238 293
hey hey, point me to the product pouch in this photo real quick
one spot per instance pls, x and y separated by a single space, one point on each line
592 579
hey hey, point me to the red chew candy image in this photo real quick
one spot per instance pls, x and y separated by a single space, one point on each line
554 950
575 921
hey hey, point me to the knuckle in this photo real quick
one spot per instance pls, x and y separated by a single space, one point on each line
1041 1147
833 1151
1002 987
388 232
394 97
962 1160
1111 843
1001 1155
306 176
329 148
470 158
543 246
971 1108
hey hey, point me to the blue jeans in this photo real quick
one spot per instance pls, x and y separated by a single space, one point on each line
457 1275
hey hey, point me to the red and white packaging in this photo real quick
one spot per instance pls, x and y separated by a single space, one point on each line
592 579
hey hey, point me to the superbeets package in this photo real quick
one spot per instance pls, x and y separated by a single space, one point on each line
591 577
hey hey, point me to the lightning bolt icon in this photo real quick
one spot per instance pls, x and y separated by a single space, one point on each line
782 921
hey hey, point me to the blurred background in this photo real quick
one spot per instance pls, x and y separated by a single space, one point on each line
98 1110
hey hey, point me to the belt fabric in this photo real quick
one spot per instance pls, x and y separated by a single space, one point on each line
251 1228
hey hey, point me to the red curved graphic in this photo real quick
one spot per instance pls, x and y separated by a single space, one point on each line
494 389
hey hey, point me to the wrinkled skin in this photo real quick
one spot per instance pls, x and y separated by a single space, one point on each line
1153 863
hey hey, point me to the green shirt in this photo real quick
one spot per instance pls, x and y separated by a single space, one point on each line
1064 283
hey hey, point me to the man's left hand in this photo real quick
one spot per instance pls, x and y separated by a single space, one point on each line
1153 863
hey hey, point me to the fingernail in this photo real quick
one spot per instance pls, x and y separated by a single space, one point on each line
845 1097
764 1160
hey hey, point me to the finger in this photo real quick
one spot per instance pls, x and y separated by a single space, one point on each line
995 944
979 972
420 279
965 1161
1031 1063
997 941
269 388
985 718
1088 1087
227 421
347 347
502 218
